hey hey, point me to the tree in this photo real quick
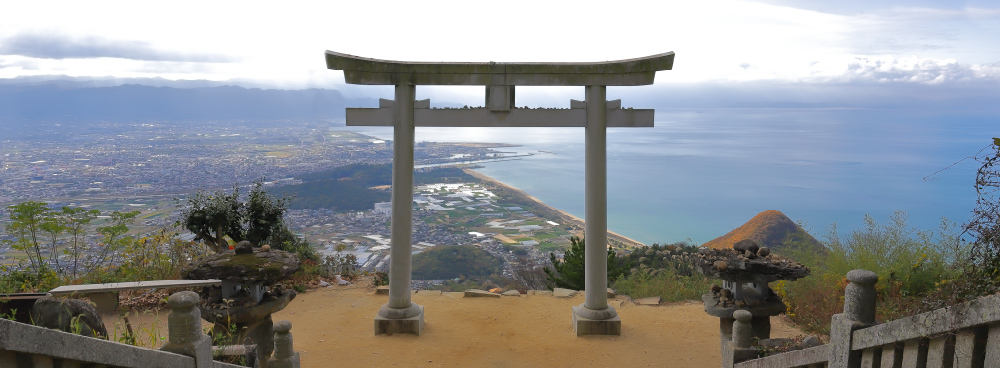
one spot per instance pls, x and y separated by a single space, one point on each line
213 217
210 217
569 272
113 239
984 227
26 221
76 220
53 229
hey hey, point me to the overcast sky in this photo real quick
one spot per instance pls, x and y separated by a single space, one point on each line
926 42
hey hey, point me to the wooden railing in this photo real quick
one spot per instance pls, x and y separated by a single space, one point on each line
23 345
961 336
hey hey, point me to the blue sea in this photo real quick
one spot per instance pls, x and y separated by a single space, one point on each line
700 173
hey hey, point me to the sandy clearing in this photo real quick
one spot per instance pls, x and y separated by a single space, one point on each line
333 327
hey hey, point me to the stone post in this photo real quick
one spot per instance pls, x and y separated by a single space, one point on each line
859 312
184 325
284 355
400 315
740 347
742 330
595 317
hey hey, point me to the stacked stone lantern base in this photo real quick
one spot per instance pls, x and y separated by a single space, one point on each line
252 325
762 314
586 326
410 325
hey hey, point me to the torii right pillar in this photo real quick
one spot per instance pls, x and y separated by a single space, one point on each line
595 316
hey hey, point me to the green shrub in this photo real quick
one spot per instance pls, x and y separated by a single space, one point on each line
912 266
664 282
569 271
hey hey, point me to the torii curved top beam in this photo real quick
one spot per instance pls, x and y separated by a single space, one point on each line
630 72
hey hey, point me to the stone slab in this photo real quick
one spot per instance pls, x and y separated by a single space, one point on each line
476 293
540 292
563 293
511 293
653 300
382 290
117 286
583 326
409 326
611 293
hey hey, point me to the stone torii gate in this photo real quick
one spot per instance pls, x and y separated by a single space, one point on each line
595 114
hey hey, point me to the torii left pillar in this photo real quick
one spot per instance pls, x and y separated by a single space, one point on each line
400 315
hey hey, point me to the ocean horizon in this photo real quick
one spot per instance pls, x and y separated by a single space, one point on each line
700 173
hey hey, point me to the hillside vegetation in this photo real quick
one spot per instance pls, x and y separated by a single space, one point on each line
450 262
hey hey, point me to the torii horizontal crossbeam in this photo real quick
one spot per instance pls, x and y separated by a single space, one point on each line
630 72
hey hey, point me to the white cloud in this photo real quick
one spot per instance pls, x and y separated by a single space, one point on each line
718 41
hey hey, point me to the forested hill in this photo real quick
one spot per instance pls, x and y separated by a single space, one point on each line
449 262
770 229
350 188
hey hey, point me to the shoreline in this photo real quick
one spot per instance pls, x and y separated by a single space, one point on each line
565 216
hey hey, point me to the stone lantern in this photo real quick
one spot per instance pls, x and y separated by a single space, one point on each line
250 293
745 271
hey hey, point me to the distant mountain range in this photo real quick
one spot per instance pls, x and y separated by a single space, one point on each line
31 103
769 229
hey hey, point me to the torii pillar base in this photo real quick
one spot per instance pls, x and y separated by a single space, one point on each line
585 326
409 326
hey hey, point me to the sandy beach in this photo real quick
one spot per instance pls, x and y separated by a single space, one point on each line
566 217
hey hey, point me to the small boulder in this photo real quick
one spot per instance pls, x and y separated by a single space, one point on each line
811 341
476 293
763 251
244 247
265 248
653 300
746 245
611 293
68 315
511 293
726 293
721 265
382 290
563 293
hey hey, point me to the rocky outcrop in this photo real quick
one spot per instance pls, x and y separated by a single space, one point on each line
258 267
735 265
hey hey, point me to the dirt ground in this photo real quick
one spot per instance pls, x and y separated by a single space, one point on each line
333 327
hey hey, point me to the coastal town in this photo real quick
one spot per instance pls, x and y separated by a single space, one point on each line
446 215
152 169
149 158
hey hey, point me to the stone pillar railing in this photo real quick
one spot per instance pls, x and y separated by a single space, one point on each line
740 347
859 312
284 355
185 334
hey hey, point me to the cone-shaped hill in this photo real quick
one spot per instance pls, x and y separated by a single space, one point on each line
769 229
